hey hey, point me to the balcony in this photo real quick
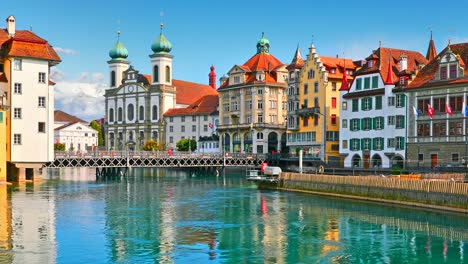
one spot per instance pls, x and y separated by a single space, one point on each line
310 111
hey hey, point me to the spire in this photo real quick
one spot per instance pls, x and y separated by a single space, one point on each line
389 74
344 81
212 77
297 62
118 52
431 50
263 45
161 45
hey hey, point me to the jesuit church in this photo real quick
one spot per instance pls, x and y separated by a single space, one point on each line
135 103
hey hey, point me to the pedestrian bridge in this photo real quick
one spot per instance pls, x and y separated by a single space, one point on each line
109 159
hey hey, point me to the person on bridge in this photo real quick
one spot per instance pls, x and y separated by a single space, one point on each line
169 152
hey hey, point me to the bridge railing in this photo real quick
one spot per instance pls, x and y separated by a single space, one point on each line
151 154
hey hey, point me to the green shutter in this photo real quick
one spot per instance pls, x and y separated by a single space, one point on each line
363 124
378 102
374 123
362 144
403 100
367 83
358 122
363 103
370 103
355 105
375 82
402 121
358 84
382 122
374 143
403 143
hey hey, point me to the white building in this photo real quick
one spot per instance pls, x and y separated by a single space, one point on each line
135 103
25 62
373 118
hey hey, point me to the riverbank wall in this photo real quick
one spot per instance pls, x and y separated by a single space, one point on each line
435 194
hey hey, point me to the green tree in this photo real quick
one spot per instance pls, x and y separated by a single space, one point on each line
59 147
183 144
97 127
152 145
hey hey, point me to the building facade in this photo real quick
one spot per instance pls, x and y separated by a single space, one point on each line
437 124
25 62
373 126
252 104
313 105
76 134
135 103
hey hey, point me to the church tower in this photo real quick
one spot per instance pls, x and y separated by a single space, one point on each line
161 61
118 63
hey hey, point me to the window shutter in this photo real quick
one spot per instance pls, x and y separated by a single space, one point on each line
374 143
403 100
402 121
363 103
362 143
403 143
370 103
378 102
374 123
382 122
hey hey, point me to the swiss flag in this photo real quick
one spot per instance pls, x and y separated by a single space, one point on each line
448 109
430 110
210 125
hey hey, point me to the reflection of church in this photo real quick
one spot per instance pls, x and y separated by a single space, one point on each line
135 103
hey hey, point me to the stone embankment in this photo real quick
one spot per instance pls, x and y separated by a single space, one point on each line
435 194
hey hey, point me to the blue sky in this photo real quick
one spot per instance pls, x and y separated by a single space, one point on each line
220 33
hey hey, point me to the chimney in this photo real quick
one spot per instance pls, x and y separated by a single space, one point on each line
403 62
10 26
212 77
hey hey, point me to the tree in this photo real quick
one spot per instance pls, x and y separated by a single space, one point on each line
152 145
59 147
97 127
183 144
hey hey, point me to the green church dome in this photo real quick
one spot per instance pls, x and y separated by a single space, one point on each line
118 52
161 44
263 45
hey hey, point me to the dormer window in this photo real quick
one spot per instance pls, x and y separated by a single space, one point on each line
402 80
236 79
370 63
333 70
453 71
443 72
261 76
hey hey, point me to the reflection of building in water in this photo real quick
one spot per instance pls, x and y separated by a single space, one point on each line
5 226
33 225
70 174
167 228
332 236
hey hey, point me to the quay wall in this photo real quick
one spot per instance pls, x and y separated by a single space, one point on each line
446 195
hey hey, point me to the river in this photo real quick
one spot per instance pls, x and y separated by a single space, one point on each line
182 216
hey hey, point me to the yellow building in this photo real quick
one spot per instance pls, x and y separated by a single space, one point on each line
3 143
313 105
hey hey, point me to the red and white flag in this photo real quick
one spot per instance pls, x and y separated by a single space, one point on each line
430 110
448 109
210 125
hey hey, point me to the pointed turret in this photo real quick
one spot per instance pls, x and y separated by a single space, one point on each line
212 77
297 61
389 79
431 50
344 81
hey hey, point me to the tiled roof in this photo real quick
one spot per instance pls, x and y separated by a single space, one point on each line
60 116
339 64
297 61
385 55
188 92
360 94
425 77
203 106
26 44
431 50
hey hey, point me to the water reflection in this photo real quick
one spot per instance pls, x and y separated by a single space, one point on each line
177 216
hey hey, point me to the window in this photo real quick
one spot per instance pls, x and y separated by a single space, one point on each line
249 105
391 101
226 107
400 100
155 112
130 112
155 74
306 88
366 103
359 84
333 102
260 104
438 129
17 113
424 130
260 91
17 139
400 121
111 115
390 143
171 119
453 71
391 120
333 119
236 79
316 87
344 123
375 81
154 135
171 139
367 123
42 77
344 105
378 122
370 63
333 86
378 102
260 119
456 103
366 82
182 118
234 106
41 127
443 72
18 88
456 128
422 105
305 121
377 143
354 144
119 114
316 120
168 74
182 129
332 136
18 65
420 156
41 101
142 112
355 105
171 128
112 78
333 70
439 105
400 143
194 118
205 128
366 143
455 157
194 128
355 124
205 118
344 143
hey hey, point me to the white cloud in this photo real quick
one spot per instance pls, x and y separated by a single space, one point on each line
64 51
83 97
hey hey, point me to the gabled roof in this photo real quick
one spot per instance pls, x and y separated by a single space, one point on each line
188 92
338 64
383 56
297 61
425 77
26 44
60 116
204 106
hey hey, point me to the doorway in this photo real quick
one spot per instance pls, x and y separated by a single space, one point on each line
433 160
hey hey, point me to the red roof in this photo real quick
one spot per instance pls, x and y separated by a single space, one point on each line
338 64
425 77
60 116
297 61
385 55
204 106
27 44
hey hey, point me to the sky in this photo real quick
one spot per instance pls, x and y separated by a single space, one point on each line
219 33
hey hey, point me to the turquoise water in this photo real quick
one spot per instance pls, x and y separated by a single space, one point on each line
159 216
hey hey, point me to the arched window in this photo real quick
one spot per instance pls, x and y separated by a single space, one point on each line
155 112
259 135
112 78
142 112
168 74
130 112
119 114
155 73
111 115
